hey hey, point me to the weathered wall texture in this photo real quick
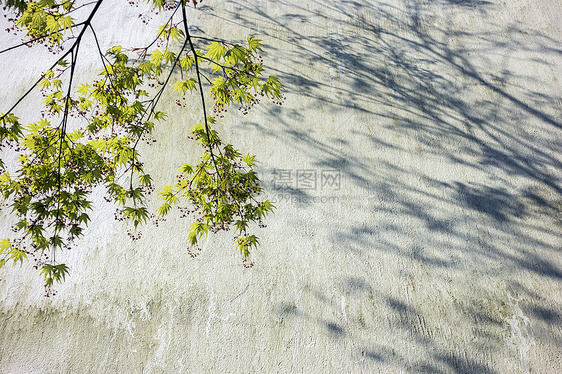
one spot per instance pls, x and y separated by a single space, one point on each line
438 252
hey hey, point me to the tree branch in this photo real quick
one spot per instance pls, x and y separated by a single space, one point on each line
77 42
207 130
36 39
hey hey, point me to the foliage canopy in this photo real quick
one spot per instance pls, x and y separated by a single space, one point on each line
88 134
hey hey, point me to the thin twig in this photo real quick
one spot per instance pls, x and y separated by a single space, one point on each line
78 40
36 39
195 56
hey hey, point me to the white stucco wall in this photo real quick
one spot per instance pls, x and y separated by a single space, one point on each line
439 252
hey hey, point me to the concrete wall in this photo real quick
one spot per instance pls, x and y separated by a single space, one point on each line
438 252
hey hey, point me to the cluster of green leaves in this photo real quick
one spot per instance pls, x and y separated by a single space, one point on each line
45 19
221 189
240 69
15 4
88 137
58 169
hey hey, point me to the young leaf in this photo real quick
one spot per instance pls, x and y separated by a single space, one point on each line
83 89
254 44
249 160
216 51
5 245
114 50
17 255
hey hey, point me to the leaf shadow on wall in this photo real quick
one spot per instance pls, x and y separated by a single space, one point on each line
454 97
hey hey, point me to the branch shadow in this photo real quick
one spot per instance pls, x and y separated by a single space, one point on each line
473 112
